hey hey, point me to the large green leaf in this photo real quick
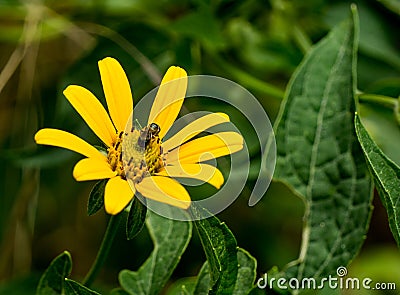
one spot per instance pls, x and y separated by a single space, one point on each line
170 240
319 156
386 176
220 248
52 281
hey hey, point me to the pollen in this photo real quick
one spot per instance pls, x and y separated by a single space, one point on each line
140 161
114 155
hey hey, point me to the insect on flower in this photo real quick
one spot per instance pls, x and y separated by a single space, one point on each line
139 160
147 134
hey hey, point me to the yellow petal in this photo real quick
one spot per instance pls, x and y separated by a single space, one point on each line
92 111
205 148
169 99
194 128
117 195
66 140
92 169
165 190
204 172
117 91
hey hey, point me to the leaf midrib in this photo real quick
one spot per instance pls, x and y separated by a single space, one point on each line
314 154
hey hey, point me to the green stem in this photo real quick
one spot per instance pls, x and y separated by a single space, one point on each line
386 101
105 247
379 99
301 38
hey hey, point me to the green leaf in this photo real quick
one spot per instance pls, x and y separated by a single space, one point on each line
52 281
245 279
96 197
319 156
247 272
74 288
386 177
170 238
220 248
136 218
203 280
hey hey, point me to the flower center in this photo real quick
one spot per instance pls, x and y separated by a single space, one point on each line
115 155
139 155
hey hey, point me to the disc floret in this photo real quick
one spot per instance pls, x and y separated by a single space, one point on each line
141 160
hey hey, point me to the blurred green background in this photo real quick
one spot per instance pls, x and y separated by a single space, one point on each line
47 45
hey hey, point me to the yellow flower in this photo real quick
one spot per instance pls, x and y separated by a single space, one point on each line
149 162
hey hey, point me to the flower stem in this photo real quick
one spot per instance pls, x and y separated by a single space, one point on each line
105 247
